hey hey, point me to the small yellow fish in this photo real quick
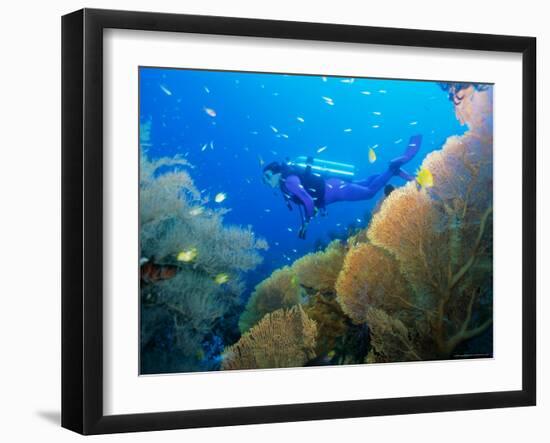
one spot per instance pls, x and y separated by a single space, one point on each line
188 256
196 211
220 197
210 112
372 155
425 178
221 278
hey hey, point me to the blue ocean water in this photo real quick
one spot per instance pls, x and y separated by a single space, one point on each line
228 124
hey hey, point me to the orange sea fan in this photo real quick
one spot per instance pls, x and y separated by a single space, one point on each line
406 226
370 277
280 290
285 338
320 270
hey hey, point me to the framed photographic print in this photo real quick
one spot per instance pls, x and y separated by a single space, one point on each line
269 221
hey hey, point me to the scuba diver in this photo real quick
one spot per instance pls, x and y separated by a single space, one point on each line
312 184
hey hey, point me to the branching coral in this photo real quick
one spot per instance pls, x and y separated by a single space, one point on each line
179 310
280 290
282 339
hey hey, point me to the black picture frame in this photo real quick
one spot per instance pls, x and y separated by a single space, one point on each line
82 218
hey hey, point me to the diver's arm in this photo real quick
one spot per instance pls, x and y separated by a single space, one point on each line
294 186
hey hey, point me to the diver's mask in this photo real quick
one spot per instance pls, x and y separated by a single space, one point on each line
271 179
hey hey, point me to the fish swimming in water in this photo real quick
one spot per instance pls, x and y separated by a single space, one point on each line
321 149
151 272
372 155
187 255
196 211
210 112
220 197
165 90
425 178
221 278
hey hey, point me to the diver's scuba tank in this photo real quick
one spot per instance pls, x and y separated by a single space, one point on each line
323 168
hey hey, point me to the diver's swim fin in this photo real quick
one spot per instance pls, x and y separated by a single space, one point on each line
412 148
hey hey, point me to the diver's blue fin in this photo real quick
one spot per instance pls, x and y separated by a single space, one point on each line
412 148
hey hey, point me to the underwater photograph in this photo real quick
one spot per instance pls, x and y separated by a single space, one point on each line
293 220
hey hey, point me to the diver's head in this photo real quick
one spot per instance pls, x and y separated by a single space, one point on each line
272 174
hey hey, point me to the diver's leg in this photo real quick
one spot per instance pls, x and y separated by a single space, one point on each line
339 190
367 181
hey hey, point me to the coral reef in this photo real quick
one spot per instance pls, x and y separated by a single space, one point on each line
288 286
181 300
442 239
371 277
319 270
280 290
283 338
330 319
415 284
